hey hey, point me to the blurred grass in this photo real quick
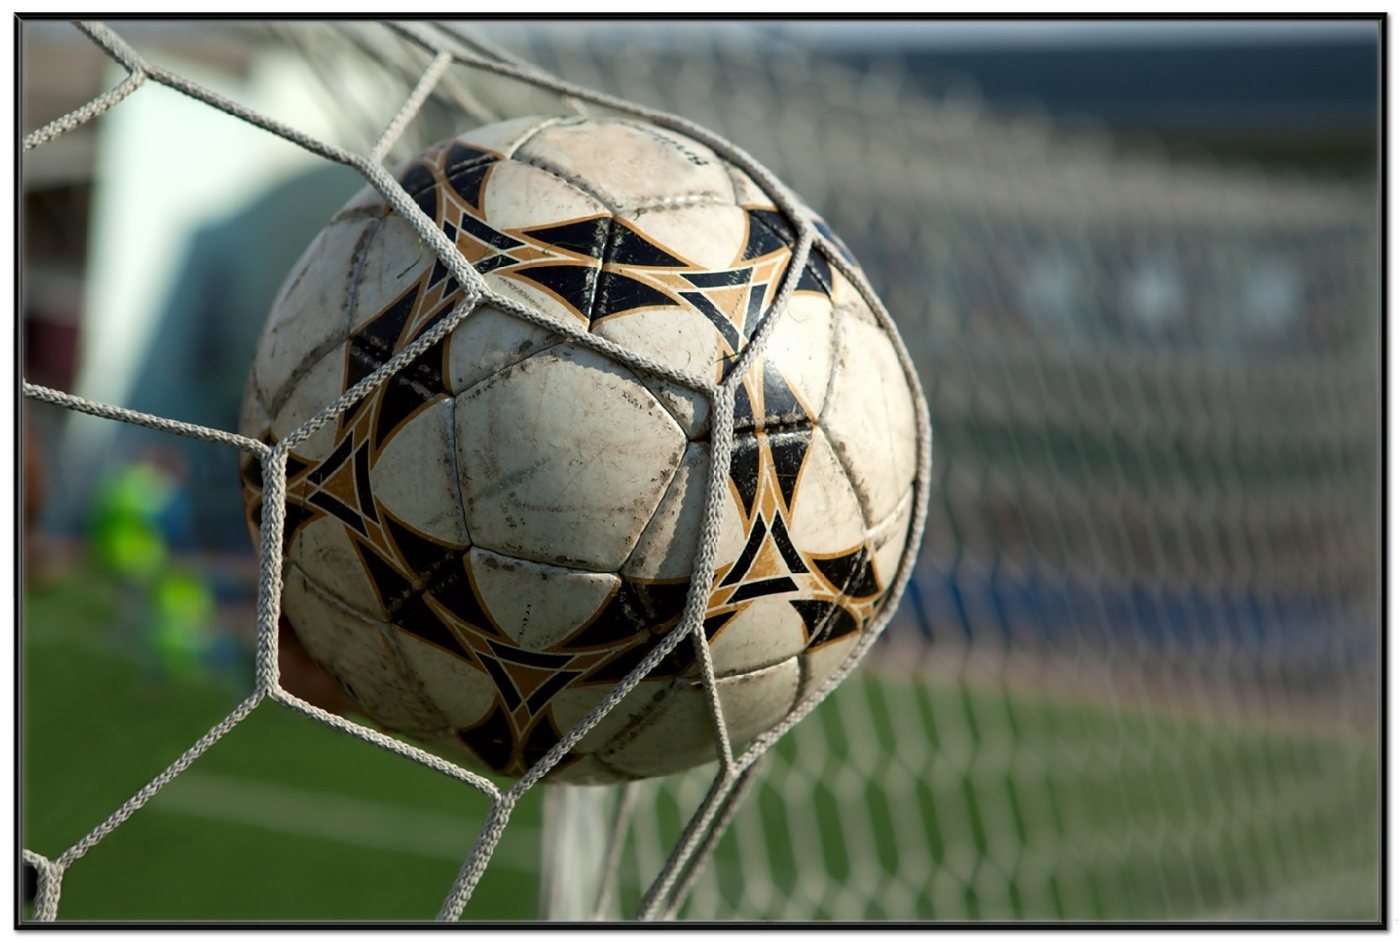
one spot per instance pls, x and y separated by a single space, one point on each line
970 803
961 803
252 829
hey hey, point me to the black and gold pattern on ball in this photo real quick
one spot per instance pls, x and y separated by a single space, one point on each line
603 266
787 470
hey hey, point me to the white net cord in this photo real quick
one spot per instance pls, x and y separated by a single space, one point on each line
447 51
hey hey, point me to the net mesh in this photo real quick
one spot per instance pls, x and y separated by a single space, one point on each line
1136 674
446 50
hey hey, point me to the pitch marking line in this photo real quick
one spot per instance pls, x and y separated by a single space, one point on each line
350 821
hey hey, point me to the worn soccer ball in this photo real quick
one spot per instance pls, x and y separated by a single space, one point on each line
489 542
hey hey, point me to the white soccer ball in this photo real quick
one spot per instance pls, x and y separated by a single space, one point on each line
486 545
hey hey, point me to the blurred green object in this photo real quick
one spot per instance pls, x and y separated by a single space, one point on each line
172 607
126 537
182 634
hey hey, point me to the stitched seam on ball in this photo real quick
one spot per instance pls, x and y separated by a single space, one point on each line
386 631
478 161
505 368
846 473
534 133
804 676
456 471
357 273
748 669
647 718
256 385
684 201
515 555
330 594
680 463
772 428
833 357
730 171
887 523
865 531
309 363
314 357
578 183
596 757
406 670
362 212
675 470
608 246
702 432
641 383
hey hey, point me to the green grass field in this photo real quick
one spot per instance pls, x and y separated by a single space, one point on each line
282 819
1093 814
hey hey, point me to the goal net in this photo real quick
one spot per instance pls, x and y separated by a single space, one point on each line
1135 674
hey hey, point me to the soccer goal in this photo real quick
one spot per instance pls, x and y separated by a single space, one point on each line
1134 674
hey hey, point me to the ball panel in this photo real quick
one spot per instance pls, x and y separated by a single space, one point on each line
356 652
848 300
679 338
869 417
587 771
316 389
568 308
488 341
542 240
765 631
825 515
666 549
322 549
536 605
679 732
563 458
795 370
709 237
889 537
460 692
504 137
532 204
392 269
627 165
747 192
253 419
308 316
821 661
573 704
367 202
415 475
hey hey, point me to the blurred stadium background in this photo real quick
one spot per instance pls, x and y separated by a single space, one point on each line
1136 674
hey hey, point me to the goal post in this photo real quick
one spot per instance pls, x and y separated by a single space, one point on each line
582 830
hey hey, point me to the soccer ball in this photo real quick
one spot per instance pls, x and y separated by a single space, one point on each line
491 540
